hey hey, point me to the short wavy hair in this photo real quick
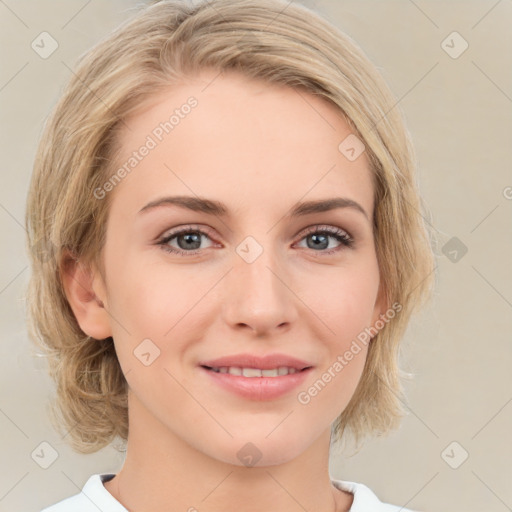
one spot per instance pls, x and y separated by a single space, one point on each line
161 45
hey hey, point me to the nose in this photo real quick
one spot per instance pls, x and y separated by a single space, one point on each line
258 296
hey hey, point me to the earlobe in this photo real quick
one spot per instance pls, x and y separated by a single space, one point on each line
85 292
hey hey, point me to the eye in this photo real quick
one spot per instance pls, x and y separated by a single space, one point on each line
317 238
188 240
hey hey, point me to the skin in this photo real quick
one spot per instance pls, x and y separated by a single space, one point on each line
260 149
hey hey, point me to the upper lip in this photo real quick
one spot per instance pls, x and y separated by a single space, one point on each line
266 362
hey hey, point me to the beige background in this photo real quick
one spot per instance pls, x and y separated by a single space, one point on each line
459 113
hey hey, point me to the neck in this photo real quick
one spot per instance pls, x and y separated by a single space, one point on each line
162 471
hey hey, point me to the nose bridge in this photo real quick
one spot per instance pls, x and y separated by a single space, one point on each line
257 294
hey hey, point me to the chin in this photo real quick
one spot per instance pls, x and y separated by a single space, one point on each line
258 450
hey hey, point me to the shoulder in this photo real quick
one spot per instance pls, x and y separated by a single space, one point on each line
92 498
365 499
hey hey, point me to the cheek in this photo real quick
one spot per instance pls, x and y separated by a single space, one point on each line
330 389
151 301
343 299
146 296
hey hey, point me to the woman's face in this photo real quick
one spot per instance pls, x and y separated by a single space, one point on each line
244 271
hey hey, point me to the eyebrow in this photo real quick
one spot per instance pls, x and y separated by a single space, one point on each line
212 207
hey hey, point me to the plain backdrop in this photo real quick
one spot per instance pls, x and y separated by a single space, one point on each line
458 107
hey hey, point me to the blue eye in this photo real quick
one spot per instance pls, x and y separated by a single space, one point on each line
189 240
320 236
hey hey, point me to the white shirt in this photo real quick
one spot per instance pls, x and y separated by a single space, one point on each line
95 497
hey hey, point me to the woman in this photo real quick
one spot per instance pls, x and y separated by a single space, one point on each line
227 248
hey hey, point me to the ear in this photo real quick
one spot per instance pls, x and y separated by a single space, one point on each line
86 294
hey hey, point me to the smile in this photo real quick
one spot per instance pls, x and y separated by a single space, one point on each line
257 384
254 372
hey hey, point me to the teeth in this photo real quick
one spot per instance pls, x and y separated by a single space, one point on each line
251 372
255 372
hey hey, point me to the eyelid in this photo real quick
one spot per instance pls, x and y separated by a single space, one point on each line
185 228
324 227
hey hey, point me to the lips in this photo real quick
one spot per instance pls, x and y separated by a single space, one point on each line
257 378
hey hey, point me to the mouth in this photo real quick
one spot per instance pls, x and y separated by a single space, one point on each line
256 372
257 378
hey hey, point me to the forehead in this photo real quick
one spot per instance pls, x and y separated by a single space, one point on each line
242 141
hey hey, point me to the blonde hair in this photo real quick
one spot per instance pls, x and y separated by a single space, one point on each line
162 45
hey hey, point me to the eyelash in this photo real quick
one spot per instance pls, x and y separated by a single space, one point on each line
339 234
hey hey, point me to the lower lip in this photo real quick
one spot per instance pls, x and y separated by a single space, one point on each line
258 388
